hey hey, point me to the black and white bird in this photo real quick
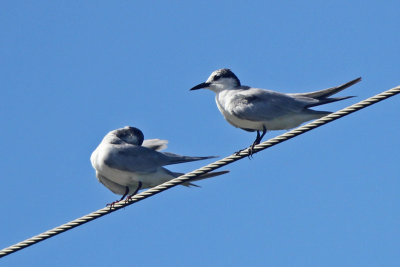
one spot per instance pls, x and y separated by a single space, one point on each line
125 162
261 110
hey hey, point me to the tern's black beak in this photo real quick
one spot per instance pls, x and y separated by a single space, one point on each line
200 86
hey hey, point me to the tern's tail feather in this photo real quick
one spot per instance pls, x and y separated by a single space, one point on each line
327 100
175 158
201 177
330 91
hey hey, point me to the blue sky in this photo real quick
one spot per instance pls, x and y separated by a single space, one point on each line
73 70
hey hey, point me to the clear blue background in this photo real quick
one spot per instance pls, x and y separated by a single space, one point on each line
70 71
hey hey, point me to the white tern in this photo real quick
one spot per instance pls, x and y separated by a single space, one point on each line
261 110
125 162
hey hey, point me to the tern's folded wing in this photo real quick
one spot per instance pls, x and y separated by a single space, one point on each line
142 159
135 159
258 104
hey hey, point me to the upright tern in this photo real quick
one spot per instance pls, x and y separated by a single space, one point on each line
261 110
125 162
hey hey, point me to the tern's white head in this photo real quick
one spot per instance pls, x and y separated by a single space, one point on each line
219 80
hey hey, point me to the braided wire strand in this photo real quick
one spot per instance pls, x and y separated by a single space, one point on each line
191 175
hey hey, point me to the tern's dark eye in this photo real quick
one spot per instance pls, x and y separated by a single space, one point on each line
216 77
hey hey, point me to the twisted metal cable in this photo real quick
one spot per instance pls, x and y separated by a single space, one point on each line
191 175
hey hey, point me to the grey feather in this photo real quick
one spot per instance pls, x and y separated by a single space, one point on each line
132 158
259 104
175 158
327 92
142 159
155 144
324 101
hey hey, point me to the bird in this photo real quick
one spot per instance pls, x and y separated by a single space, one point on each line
261 110
125 163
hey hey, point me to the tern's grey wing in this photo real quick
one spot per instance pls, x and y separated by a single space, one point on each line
175 158
155 144
142 159
135 159
258 104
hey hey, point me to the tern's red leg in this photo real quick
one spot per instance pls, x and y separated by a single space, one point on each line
116 201
134 193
